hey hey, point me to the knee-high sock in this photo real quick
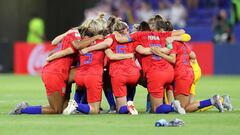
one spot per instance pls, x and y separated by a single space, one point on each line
164 108
109 96
32 110
80 96
77 97
148 104
131 90
83 108
205 103
123 110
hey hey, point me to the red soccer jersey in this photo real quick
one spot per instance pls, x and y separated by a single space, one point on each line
125 66
182 64
92 62
148 39
62 65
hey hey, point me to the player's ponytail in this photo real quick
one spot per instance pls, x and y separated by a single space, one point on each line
158 18
110 22
160 25
103 23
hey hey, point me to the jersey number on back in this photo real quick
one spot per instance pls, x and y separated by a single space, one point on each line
89 58
121 49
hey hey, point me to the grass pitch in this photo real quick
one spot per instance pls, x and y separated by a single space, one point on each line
14 89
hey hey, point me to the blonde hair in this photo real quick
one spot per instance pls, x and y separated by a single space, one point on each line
120 26
90 26
101 20
135 27
103 23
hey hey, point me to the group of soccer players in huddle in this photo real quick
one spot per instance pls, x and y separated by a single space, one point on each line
102 55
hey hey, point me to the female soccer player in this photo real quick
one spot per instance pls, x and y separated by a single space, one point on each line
123 69
55 75
158 71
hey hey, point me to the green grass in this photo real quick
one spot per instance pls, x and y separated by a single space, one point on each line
14 89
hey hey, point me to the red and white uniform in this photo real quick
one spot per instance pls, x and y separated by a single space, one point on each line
89 74
157 70
123 72
55 74
184 75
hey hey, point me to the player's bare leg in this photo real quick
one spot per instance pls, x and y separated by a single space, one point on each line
170 96
71 76
155 102
94 107
191 98
215 101
124 107
184 100
121 101
160 108
55 104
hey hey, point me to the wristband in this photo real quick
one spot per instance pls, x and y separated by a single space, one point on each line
170 46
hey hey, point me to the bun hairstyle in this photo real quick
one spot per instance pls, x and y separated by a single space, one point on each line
160 25
110 22
158 18
144 26
135 27
120 26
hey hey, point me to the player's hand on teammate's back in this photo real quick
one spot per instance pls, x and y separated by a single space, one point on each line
156 50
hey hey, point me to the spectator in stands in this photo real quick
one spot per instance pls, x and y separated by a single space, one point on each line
144 12
192 4
178 14
164 9
36 30
222 28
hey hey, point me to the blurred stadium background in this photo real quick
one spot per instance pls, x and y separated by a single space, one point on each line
213 25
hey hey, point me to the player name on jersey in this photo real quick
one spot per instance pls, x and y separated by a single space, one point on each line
153 38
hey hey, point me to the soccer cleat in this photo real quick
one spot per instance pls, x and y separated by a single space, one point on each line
132 110
18 108
217 103
71 108
177 107
227 103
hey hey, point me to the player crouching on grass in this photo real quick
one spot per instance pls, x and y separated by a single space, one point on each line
123 69
55 75
89 74
158 71
180 56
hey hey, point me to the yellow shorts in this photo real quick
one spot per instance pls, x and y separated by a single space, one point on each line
197 76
